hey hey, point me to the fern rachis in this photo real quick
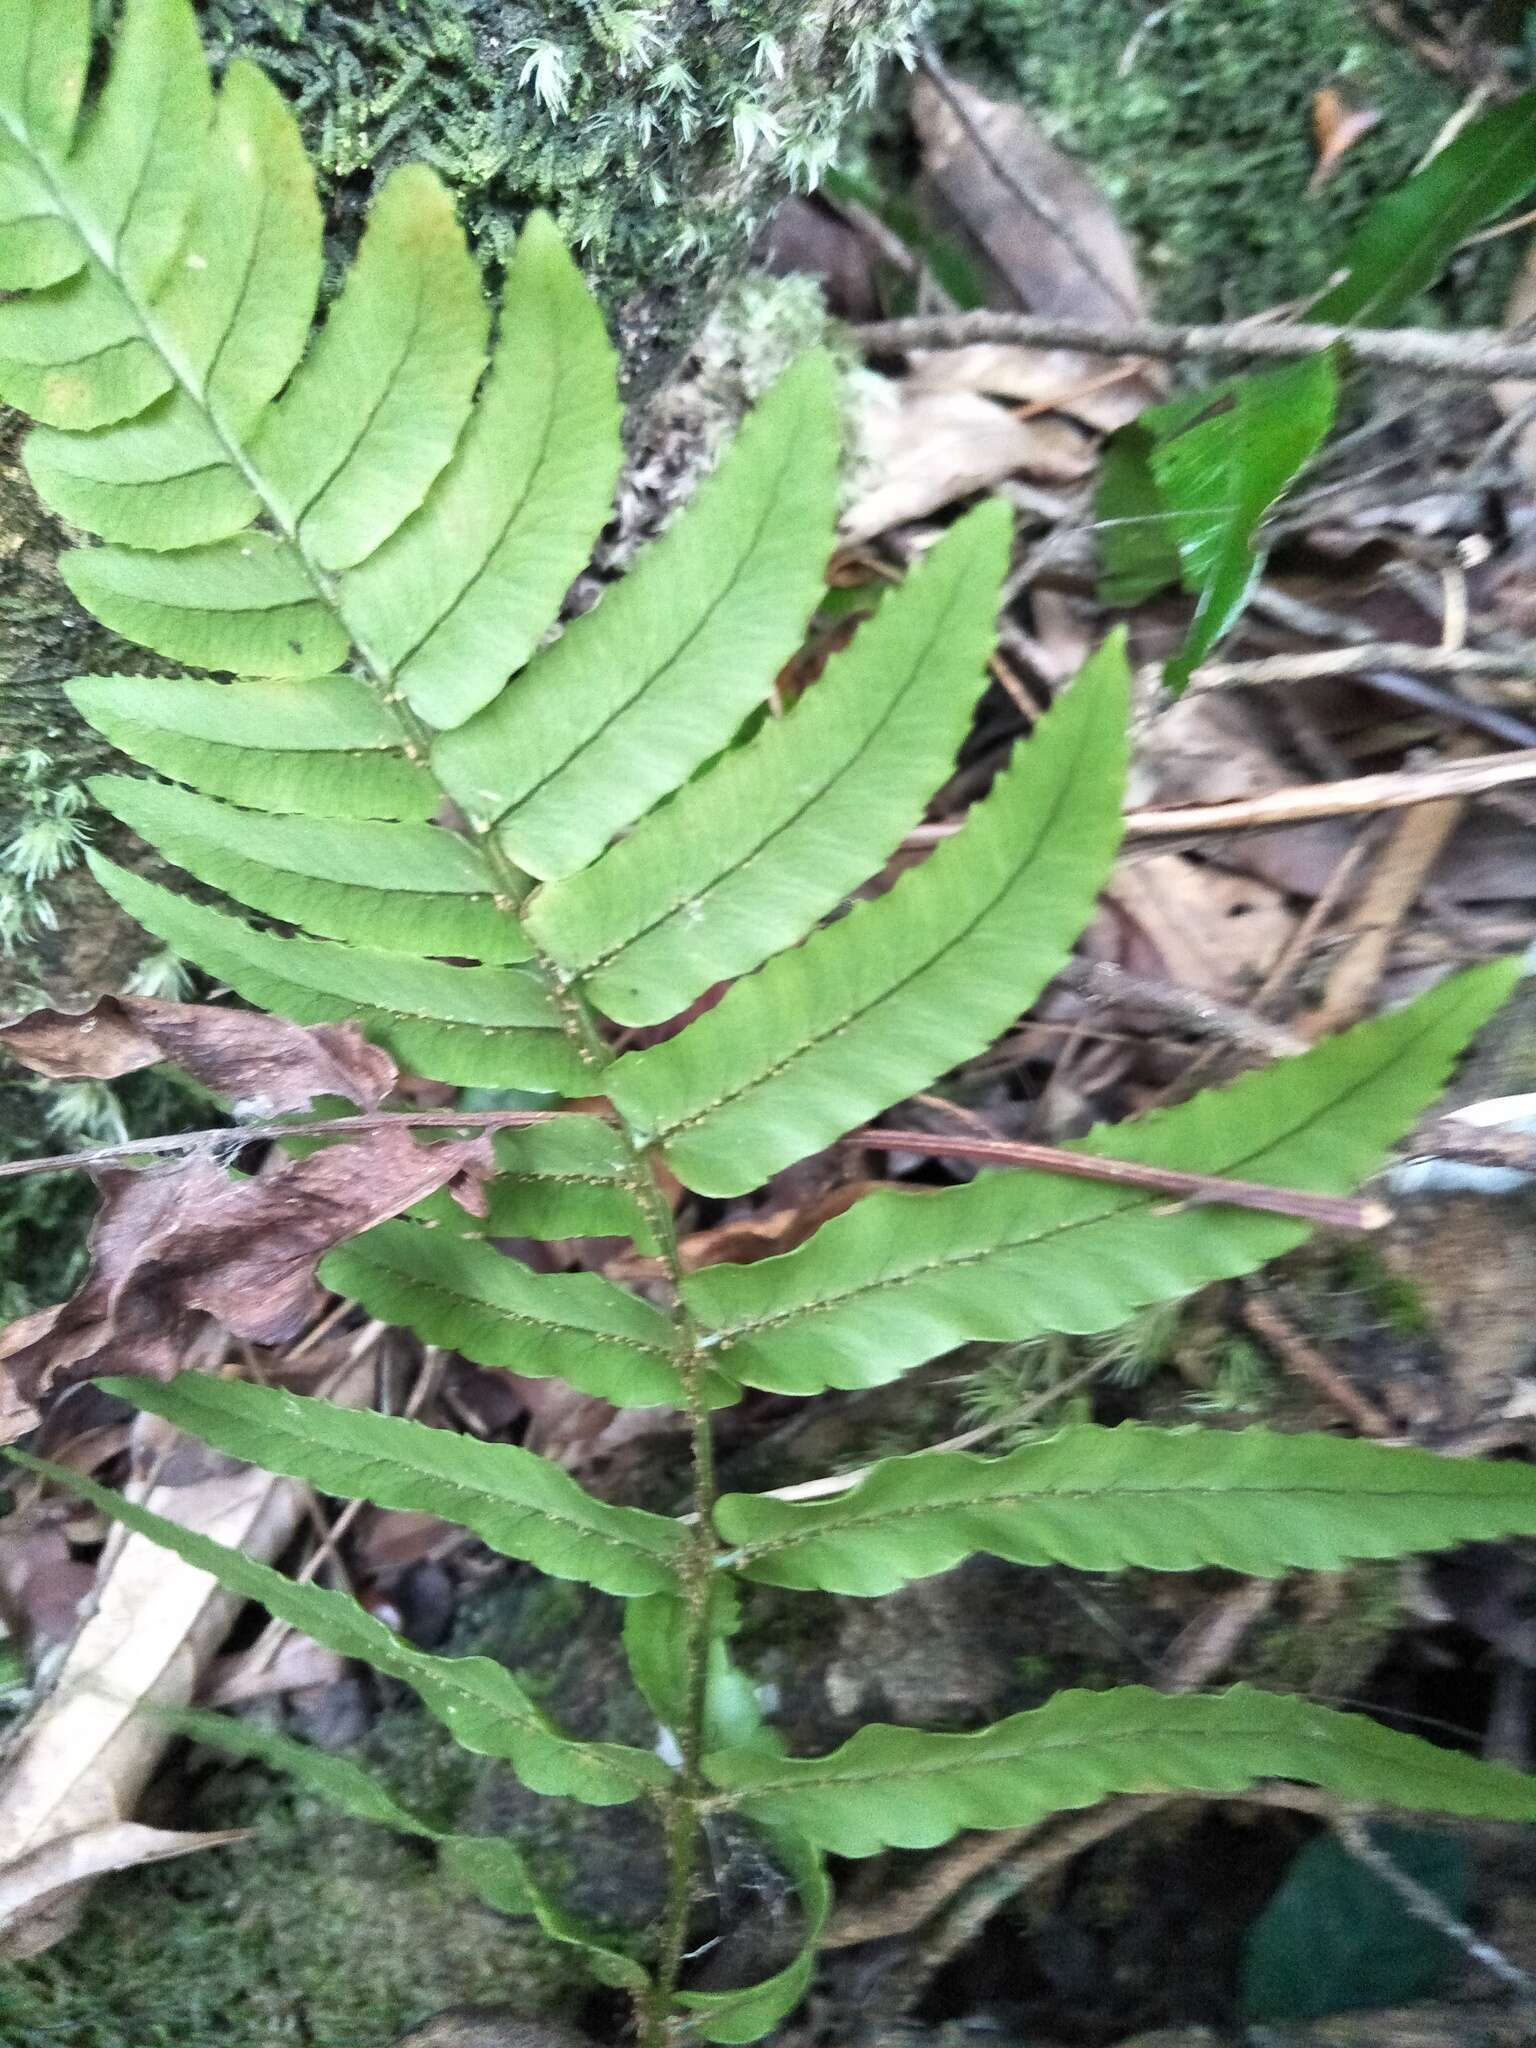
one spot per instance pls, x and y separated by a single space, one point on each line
372 532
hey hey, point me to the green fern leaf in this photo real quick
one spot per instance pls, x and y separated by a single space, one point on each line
567 1178
906 987
464 592
1097 1499
479 1700
902 1277
638 693
492 1027
574 1326
749 2014
515 1502
44 57
745 860
374 411
237 310
74 354
42 75
905 1788
489 1866
413 889
247 605
324 748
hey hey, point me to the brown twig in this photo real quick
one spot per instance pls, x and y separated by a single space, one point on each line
1336 1211
230 1137
1299 1355
1363 655
1361 793
1303 803
1480 357
1323 1209
1101 981
1402 868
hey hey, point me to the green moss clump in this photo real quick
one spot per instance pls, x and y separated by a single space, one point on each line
659 136
316 1931
1196 118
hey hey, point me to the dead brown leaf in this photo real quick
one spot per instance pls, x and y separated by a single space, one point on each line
34 1882
264 1065
78 1766
1043 239
924 449
1044 234
168 1247
1194 925
1337 127
1058 379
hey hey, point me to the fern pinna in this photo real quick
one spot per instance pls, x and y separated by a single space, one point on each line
371 528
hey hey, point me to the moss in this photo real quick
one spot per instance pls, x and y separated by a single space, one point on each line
659 136
315 1931
1197 120
1326 1633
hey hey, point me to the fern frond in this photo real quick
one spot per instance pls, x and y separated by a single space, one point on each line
1098 1500
324 748
236 312
478 1699
902 989
902 1277
574 1326
408 888
515 1502
489 1866
638 693
904 1788
745 860
570 1177
459 1024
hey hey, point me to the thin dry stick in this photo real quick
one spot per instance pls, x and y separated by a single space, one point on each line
1299 1355
1337 887
1101 981
1304 803
1423 1906
1479 356
1416 842
1363 793
1357 659
1336 1211
1326 1209
230 1137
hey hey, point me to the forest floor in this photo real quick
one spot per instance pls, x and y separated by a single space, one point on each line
1201 160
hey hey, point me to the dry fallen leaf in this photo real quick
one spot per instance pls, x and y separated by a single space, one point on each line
1043 239
168 1246
264 1065
1337 127
1039 226
76 1772
924 449
1102 394
1195 925
32 1886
